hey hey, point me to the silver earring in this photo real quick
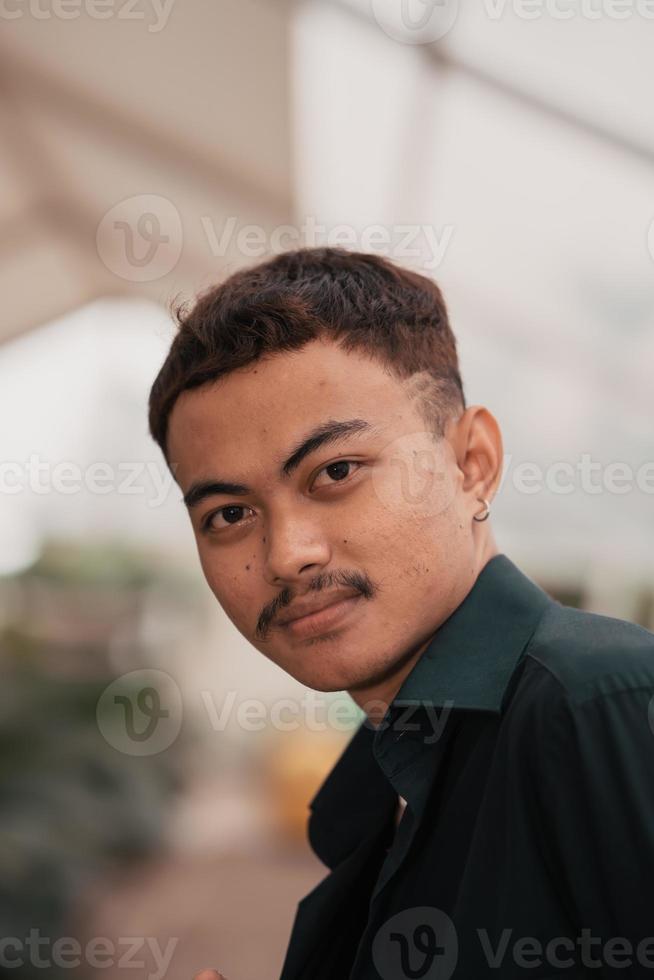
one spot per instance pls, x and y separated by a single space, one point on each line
476 517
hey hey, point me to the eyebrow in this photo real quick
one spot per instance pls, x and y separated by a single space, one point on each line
325 433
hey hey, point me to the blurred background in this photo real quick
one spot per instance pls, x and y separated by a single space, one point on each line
154 768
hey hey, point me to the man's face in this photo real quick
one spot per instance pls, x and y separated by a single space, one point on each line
376 516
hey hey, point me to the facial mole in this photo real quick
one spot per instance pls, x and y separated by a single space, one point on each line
247 568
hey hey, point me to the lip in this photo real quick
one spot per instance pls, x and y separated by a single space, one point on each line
315 623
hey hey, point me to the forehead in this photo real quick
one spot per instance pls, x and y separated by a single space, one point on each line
253 414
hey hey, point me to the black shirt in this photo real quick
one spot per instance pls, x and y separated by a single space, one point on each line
523 742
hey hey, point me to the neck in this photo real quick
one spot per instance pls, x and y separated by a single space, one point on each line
375 698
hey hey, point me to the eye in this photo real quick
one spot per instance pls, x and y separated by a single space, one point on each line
337 472
231 515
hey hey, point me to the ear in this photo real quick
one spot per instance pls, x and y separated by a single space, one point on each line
477 443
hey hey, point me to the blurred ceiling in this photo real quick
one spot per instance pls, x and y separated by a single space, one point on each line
179 110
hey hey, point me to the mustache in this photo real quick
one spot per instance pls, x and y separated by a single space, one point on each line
349 580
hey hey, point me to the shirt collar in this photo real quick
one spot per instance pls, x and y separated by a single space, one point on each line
467 666
472 655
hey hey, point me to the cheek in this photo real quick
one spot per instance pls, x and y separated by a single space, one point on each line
226 587
400 527
410 546
239 590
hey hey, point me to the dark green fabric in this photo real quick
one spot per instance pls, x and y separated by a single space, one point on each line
523 742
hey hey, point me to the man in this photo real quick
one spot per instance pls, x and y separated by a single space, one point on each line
339 487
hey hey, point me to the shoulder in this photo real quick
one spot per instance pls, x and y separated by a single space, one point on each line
584 679
583 655
580 723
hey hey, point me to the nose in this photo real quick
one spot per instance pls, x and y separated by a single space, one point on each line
295 546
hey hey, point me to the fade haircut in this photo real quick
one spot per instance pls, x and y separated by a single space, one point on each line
363 302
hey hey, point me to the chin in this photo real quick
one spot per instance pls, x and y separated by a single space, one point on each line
326 677
324 681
